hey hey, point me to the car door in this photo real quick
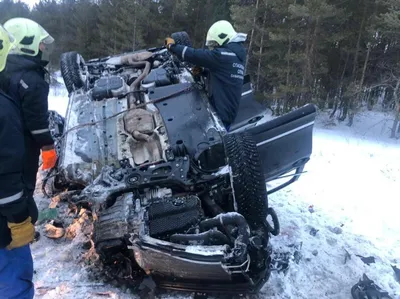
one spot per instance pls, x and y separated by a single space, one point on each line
284 143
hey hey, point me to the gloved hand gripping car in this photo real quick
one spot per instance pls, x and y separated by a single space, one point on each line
224 60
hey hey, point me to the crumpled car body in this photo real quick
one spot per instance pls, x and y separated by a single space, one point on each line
180 200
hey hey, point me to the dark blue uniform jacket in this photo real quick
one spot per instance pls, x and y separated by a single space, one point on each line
24 80
11 153
226 68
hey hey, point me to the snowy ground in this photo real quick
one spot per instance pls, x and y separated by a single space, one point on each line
58 97
351 183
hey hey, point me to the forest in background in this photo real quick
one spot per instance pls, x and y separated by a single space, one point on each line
341 55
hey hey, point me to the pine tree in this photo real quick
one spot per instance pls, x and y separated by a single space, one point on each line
55 18
10 9
338 55
86 35
312 34
388 26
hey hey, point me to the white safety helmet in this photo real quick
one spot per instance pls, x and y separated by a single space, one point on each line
220 33
6 44
28 36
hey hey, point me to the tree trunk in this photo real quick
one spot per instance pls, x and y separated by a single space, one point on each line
288 58
310 59
207 21
338 96
288 94
115 42
134 28
251 36
173 13
370 100
306 79
197 21
396 110
348 101
261 50
396 123
358 43
311 51
365 64
354 103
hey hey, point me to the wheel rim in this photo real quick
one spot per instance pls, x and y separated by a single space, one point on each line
82 68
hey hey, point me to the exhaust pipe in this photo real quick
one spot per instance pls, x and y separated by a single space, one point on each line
223 220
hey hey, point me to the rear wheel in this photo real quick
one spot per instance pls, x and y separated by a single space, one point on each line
250 193
73 70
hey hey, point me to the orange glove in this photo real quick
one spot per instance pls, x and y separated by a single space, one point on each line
168 42
49 158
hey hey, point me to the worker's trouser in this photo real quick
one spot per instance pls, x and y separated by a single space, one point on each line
31 164
16 273
31 167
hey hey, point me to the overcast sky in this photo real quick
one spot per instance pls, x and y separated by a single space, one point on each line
31 3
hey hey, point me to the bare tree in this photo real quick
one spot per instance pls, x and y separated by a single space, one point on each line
252 35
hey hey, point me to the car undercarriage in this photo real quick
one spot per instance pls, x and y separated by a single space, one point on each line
180 201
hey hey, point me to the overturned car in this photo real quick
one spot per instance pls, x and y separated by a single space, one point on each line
180 201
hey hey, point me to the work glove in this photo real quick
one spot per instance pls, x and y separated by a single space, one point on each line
22 233
169 42
19 222
49 158
197 70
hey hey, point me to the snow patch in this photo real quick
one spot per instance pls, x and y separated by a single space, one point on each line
207 251
58 96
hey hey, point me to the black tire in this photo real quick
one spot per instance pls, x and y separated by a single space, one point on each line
248 180
72 70
182 38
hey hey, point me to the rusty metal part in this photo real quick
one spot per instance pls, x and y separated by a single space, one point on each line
135 84
136 57
145 151
140 136
139 120
137 143
187 89
137 60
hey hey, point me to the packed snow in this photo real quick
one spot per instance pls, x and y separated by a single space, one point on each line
343 207
349 195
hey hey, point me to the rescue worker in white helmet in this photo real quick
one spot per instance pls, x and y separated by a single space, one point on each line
224 60
16 228
25 81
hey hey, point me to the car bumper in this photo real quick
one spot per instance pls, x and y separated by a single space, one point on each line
196 268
